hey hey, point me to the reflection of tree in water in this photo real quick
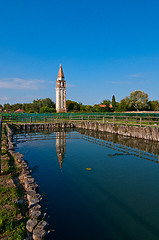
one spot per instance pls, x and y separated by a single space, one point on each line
60 146
120 142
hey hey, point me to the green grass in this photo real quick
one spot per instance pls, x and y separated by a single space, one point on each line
13 216
10 226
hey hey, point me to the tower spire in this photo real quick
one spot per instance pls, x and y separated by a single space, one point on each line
60 73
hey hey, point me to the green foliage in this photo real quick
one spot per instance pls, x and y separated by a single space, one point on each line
123 105
16 106
7 107
113 103
138 100
107 108
154 105
72 106
46 109
34 107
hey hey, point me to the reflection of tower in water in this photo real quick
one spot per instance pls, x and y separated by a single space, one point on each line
60 146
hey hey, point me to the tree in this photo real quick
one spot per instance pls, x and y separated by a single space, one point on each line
16 106
28 107
46 109
7 107
123 105
138 100
154 105
48 103
107 104
72 106
39 103
113 102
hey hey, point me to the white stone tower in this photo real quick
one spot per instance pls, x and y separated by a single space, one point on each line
60 92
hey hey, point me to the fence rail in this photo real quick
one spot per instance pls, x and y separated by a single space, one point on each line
132 120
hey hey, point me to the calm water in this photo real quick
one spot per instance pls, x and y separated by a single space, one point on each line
95 188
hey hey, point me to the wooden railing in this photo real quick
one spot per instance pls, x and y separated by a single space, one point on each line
113 119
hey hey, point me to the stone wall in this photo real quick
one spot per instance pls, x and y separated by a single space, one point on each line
148 133
36 225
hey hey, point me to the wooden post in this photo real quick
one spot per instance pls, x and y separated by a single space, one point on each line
30 119
113 119
126 121
103 119
140 121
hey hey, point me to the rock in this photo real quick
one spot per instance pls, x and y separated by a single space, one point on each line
33 202
41 225
39 234
36 207
28 178
35 214
31 224
31 186
32 195
25 171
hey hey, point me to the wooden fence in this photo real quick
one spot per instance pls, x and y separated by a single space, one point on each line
113 119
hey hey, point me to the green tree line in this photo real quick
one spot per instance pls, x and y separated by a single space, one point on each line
136 101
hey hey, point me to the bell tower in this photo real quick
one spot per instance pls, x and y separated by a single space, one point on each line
60 92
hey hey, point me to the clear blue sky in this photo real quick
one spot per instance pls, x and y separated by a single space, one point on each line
106 47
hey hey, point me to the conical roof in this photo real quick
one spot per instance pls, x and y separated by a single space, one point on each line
60 73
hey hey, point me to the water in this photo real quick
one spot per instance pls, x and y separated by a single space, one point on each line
95 185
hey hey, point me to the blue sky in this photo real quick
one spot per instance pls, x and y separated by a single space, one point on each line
106 47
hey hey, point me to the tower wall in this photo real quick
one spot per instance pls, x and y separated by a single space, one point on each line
60 92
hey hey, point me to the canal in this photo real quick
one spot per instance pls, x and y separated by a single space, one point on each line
95 185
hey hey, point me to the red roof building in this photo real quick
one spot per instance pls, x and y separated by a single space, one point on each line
103 106
19 111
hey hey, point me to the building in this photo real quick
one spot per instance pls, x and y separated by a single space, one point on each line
19 111
103 106
60 92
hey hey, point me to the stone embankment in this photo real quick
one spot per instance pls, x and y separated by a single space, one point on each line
35 226
147 133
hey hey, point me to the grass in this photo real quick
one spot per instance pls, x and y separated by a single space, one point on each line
13 216
12 224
